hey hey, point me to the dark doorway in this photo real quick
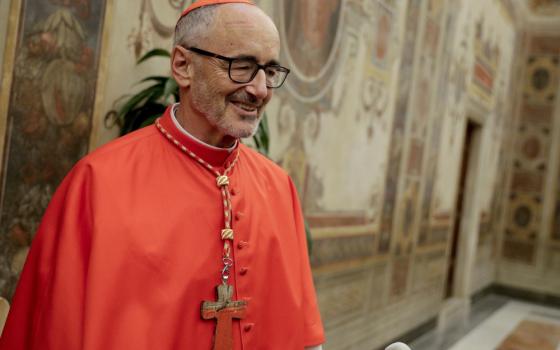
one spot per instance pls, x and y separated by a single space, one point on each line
468 159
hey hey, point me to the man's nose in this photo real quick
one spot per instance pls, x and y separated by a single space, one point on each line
257 86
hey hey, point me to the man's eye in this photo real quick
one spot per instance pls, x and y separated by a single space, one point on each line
271 72
242 66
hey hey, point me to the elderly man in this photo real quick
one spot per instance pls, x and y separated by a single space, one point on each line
178 236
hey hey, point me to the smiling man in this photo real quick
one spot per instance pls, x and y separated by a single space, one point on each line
178 236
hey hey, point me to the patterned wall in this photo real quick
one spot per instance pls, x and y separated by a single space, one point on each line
380 227
417 156
50 110
368 125
532 151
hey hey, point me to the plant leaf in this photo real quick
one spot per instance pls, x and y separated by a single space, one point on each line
170 88
142 116
136 101
154 53
159 79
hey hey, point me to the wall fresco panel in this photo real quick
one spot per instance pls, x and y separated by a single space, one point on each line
50 111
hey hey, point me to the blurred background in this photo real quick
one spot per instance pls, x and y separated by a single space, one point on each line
423 137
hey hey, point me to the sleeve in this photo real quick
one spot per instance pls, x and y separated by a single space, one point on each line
47 310
313 332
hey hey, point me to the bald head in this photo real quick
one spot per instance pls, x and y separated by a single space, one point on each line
215 107
201 24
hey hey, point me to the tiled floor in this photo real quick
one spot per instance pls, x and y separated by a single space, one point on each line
500 323
533 334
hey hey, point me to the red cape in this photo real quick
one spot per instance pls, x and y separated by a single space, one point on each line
129 248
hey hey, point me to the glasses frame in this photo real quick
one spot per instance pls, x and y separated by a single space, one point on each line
230 60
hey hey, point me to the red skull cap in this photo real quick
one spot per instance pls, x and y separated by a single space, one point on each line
202 3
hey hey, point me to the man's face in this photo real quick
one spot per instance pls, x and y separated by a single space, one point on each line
231 108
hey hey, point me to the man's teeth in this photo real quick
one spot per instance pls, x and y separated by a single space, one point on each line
245 107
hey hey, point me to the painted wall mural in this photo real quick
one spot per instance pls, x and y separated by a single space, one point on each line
532 151
369 126
332 99
152 22
311 28
398 127
487 58
50 110
432 232
312 31
416 150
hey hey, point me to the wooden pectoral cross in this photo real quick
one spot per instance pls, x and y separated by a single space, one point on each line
224 311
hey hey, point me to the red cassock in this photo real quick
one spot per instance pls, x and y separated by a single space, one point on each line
130 246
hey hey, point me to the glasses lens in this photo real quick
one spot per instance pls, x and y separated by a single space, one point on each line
275 76
241 71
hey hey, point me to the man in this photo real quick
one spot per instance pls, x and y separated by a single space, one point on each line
178 236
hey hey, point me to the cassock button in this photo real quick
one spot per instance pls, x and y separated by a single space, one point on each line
234 192
248 327
238 216
242 244
243 271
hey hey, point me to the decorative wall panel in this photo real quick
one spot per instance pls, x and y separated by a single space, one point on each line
50 111
345 295
532 151
340 249
399 278
429 269
429 234
398 128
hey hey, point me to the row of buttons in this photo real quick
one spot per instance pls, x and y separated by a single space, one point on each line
242 245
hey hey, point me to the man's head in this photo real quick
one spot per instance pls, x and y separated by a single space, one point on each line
212 103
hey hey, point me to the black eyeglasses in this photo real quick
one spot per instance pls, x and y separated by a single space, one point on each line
243 70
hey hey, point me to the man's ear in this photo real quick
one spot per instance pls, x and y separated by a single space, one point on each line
181 66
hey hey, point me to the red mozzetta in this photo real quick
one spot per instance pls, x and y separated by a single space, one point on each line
130 247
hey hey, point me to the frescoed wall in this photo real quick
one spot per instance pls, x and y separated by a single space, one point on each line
370 125
49 116
4 13
530 248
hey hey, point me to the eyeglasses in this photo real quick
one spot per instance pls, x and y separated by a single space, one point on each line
243 70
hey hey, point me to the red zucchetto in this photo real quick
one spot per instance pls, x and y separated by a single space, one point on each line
202 3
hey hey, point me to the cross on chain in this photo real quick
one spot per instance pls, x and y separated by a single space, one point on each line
224 310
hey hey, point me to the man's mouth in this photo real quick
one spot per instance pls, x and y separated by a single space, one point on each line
247 107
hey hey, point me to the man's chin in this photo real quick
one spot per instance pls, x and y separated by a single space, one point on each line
244 131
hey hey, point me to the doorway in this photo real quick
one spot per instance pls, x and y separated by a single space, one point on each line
464 213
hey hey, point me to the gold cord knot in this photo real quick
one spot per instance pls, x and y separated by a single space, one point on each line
227 234
222 180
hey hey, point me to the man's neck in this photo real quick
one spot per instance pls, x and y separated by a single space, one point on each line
207 136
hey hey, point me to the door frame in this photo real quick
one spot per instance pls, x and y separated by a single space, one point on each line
467 239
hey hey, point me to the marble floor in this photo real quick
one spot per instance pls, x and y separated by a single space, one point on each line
500 323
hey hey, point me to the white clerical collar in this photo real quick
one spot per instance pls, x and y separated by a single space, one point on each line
191 136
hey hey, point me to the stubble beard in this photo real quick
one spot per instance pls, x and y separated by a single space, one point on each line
215 113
